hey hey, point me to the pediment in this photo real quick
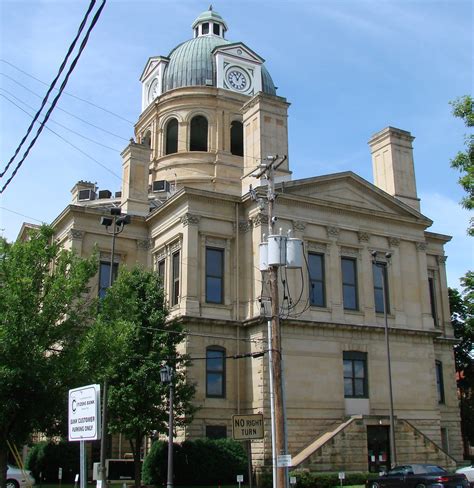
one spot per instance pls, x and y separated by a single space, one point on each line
151 65
349 189
239 50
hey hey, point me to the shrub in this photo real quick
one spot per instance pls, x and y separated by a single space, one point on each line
199 462
47 457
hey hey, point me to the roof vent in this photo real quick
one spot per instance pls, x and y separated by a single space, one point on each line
118 194
105 194
85 195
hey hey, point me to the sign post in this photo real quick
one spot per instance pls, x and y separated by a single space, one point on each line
84 421
240 479
342 476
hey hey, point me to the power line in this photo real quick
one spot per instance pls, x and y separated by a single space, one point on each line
53 83
58 123
65 111
69 94
67 142
22 215
55 101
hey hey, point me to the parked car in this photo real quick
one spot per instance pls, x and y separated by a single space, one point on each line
419 476
17 478
468 471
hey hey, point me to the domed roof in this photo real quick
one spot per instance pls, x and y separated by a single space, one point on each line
192 62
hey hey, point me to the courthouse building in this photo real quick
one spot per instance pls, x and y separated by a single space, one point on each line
211 114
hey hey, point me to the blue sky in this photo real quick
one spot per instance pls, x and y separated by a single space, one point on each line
349 68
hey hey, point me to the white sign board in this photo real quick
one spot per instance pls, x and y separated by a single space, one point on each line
342 475
284 461
84 413
240 478
246 427
292 480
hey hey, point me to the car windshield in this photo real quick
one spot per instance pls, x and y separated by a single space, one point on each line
435 470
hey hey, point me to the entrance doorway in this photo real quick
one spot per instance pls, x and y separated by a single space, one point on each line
378 442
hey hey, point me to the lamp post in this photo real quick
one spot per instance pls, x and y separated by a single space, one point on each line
383 265
117 223
167 377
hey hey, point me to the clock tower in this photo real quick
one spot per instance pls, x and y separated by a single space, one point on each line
198 118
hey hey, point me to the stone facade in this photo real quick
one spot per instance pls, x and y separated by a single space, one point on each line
205 204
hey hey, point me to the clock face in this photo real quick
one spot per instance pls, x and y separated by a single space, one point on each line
238 79
153 90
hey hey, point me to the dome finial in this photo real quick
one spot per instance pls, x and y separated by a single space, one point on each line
210 7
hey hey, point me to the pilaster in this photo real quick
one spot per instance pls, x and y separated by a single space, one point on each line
334 278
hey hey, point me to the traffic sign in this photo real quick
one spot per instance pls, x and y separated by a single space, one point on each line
84 413
247 427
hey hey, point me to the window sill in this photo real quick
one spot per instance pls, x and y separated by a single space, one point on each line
353 312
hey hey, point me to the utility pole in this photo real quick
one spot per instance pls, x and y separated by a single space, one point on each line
279 441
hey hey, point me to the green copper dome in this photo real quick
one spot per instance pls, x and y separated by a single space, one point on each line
192 62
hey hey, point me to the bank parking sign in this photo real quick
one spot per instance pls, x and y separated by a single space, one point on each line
84 413
247 427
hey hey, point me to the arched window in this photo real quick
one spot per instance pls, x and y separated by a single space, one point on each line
198 139
215 372
171 137
237 138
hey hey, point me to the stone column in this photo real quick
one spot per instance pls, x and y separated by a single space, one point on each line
425 306
445 315
366 285
333 276
190 272
395 282
183 129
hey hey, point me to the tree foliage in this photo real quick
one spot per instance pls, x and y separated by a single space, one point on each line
462 319
464 160
128 345
43 308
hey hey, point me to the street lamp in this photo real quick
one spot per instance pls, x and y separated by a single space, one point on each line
383 265
116 222
167 377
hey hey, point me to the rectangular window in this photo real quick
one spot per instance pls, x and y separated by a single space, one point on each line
379 271
104 276
214 275
175 278
215 372
216 431
431 285
161 270
439 381
216 29
316 279
349 283
355 374
205 28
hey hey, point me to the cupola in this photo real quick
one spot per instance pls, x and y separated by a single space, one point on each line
209 23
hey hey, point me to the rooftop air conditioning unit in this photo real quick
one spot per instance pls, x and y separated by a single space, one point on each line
105 194
160 186
118 194
85 195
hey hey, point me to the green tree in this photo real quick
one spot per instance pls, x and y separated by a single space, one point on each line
462 319
128 345
464 160
43 307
